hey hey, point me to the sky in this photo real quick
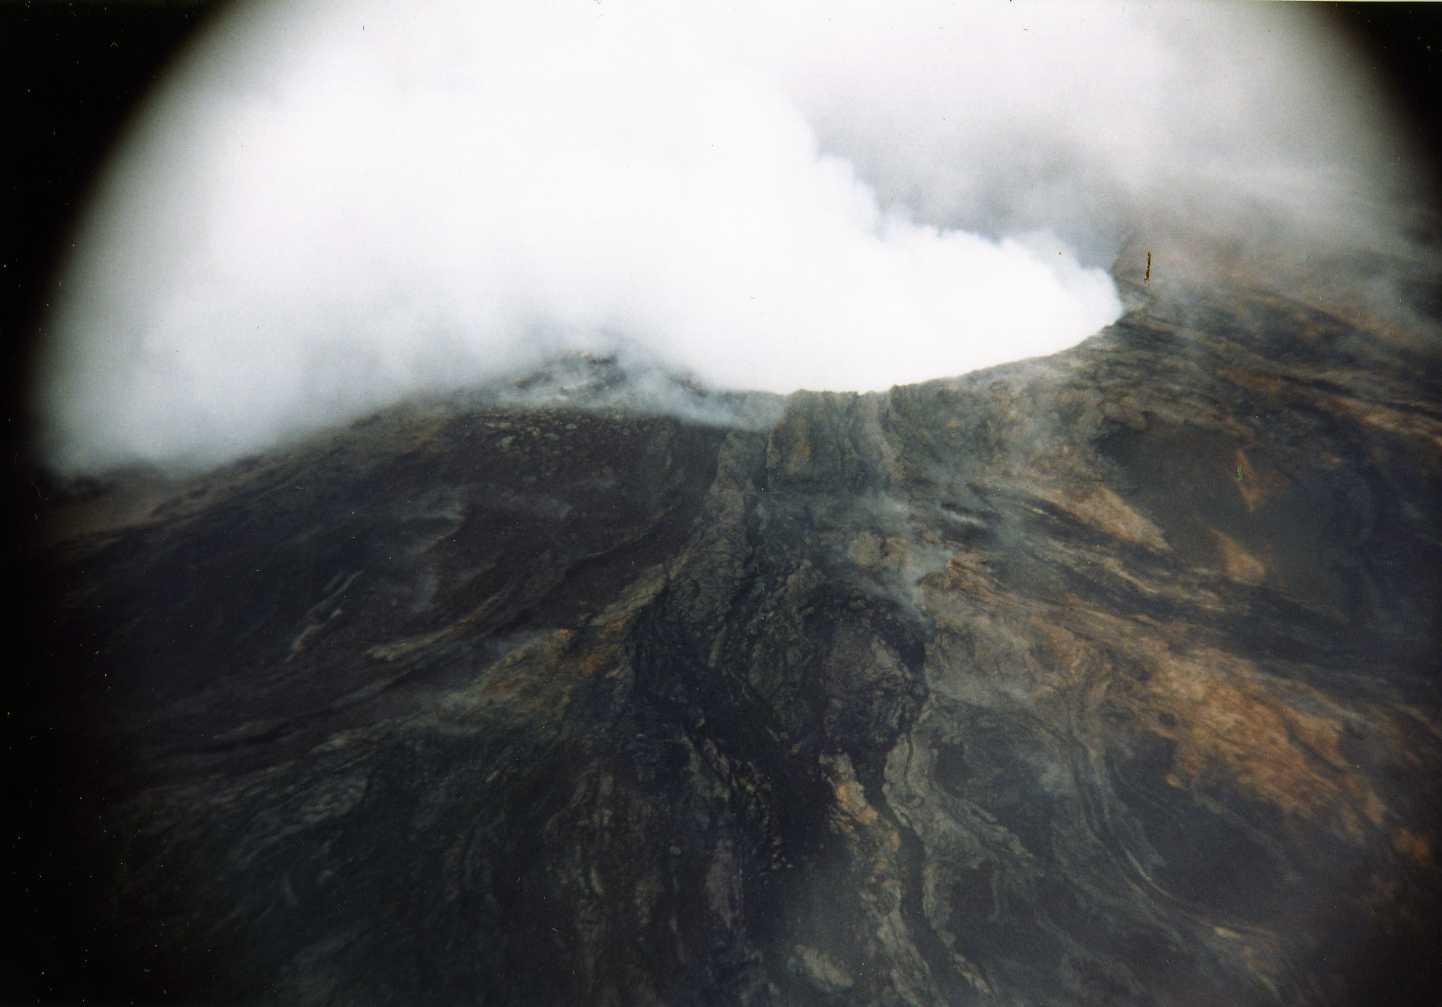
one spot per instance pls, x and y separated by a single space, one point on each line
330 207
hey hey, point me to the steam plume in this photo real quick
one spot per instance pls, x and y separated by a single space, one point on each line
335 205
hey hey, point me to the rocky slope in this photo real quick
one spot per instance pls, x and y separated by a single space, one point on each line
1107 678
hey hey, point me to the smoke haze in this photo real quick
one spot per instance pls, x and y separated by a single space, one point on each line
334 206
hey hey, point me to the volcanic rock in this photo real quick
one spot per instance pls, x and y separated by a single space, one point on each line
1104 678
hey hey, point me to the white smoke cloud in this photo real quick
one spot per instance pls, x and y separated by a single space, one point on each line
335 205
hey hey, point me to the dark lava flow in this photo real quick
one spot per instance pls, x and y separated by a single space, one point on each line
1104 678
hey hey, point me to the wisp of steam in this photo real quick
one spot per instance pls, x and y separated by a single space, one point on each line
335 205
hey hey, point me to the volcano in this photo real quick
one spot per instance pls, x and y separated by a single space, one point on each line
1106 677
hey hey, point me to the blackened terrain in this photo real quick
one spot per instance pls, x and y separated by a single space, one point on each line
1107 678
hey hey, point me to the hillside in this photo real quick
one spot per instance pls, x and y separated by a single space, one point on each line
1109 677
